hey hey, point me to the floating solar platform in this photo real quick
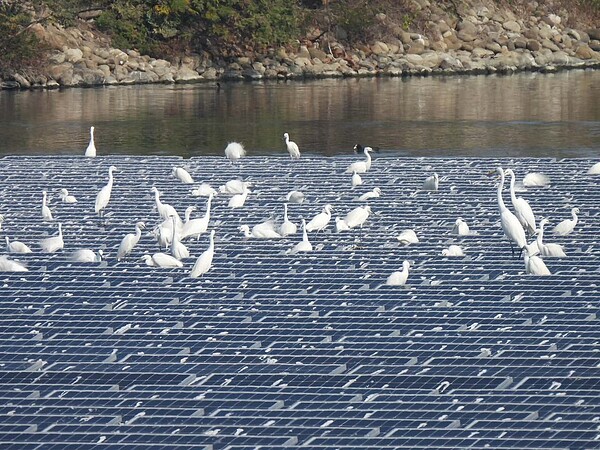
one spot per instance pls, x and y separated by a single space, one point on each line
310 350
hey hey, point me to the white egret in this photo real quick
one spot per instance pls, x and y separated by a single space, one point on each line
204 261
399 277
461 227
1 221
567 226
204 190
53 243
164 209
356 179
536 179
195 227
304 245
522 209
453 250
431 183
238 200
534 265
66 198
183 175
361 166
357 217
9 265
594 170
320 221
163 232
130 241
292 147
86 256
548 249
510 224
234 151
408 237
263 230
376 192
162 260
235 187
340 225
178 250
103 196
295 197
90 151
287 227
16 247
46 213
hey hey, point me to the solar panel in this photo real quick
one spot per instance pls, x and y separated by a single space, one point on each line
271 349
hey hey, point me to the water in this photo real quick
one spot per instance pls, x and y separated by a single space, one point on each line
529 114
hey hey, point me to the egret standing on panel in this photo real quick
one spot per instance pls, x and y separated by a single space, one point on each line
399 278
510 224
320 221
234 151
103 196
130 241
292 147
522 209
204 261
568 225
46 213
90 151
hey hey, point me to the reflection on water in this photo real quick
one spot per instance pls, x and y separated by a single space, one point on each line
552 115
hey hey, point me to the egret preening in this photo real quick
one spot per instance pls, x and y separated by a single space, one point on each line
182 175
522 209
90 151
431 183
461 227
295 197
103 196
16 247
53 243
567 226
238 200
304 245
357 217
164 209
534 265
235 187
340 225
66 198
234 151
361 166
453 250
287 227
86 256
162 260
510 224
320 221
263 230
130 241
376 192
356 179
195 227
178 250
408 237
548 249
204 190
536 179
399 277
9 265
46 213
204 261
291 146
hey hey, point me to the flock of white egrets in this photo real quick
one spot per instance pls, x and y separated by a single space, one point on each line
173 230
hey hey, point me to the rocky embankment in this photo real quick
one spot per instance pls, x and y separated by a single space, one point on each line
480 39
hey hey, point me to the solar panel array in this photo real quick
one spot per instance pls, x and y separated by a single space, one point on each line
313 350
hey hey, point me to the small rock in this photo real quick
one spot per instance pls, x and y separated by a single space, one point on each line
317 53
185 74
52 84
380 48
512 25
23 82
584 52
594 34
533 45
73 55
520 42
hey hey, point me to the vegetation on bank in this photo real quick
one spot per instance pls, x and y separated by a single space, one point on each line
224 27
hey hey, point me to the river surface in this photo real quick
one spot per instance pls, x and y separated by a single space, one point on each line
528 114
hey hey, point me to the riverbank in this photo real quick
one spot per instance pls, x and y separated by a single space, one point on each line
479 38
